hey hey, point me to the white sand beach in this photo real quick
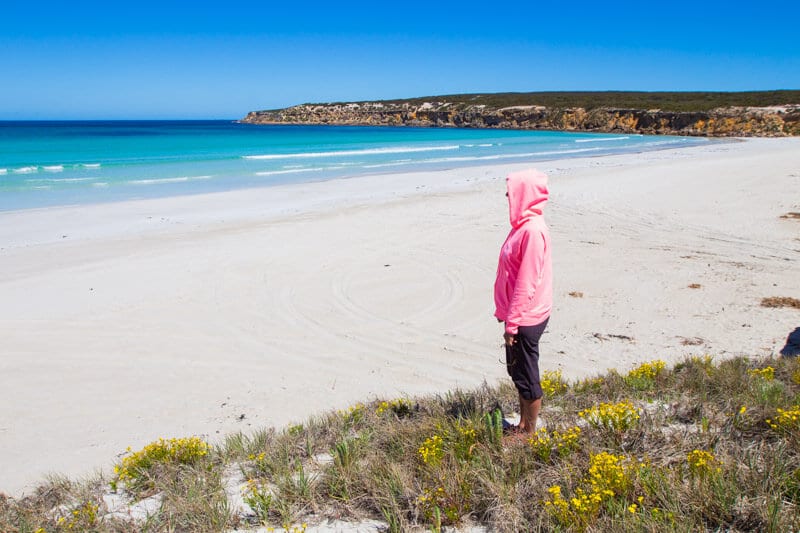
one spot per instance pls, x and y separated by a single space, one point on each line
205 315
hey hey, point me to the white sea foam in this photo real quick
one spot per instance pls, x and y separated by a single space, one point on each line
3 171
25 170
292 171
393 164
601 140
674 141
482 157
100 184
152 181
53 168
57 180
575 151
471 158
367 151
390 164
507 156
158 180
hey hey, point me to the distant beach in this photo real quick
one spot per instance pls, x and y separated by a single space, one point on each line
214 312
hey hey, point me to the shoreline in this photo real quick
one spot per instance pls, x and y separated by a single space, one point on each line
123 192
203 208
176 316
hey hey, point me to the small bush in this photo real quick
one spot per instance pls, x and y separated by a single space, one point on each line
644 376
134 469
553 383
617 417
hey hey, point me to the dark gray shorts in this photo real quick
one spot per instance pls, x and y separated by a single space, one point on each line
522 361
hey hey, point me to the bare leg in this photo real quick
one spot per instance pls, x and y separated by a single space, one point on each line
529 413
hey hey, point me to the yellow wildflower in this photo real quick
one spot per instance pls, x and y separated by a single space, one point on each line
432 450
552 383
619 416
183 450
648 370
787 419
702 464
767 374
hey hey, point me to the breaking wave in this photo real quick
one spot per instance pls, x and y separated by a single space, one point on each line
366 151
154 181
25 170
605 139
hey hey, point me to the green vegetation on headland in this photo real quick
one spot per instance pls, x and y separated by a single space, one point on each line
698 447
756 113
665 101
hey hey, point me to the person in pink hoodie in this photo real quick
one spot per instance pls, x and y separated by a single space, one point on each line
523 290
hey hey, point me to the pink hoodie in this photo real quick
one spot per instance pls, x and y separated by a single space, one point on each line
523 290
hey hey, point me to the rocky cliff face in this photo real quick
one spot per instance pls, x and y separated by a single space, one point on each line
776 121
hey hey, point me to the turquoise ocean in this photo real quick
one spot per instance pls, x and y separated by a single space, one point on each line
65 163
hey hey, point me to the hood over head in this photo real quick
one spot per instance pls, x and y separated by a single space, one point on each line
527 195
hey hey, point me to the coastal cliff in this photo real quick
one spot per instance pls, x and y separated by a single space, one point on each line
762 121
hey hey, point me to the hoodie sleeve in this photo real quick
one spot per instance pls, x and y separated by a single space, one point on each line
531 262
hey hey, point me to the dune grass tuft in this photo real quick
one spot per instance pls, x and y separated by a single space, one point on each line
780 301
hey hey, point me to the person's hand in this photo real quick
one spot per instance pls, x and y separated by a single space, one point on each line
509 338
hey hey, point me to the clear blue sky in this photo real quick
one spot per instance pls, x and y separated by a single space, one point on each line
145 59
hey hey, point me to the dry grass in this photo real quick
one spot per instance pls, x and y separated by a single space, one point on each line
698 447
692 341
694 285
792 215
780 301
576 294
609 336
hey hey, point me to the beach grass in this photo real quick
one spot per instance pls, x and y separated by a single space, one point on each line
700 446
